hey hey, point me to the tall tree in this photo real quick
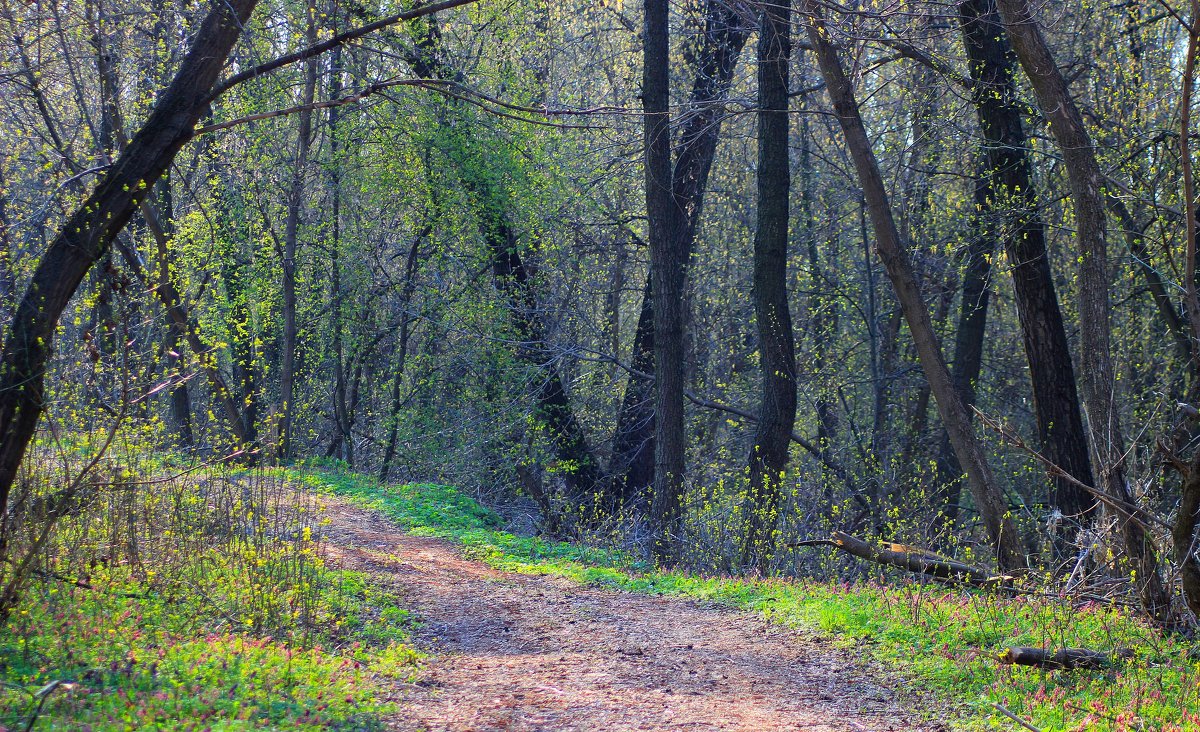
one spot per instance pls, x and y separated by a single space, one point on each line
1087 194
988 497
725 32
777 354
291 233
1007 200
667 271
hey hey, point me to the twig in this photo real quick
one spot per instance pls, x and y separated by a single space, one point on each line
1131 512
41 696
1015 718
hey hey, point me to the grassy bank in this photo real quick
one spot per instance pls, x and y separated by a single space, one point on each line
944 642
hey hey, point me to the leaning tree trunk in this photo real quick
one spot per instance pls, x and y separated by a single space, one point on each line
1006 198
988 497
86 235
1087 192
777 352
554 411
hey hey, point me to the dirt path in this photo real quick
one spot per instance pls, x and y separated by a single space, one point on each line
515 652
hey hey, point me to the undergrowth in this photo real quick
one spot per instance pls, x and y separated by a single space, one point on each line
944 642
214 610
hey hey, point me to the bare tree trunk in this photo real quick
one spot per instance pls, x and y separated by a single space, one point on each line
1087 192
667 272
968 353
1007 197
988 497
342 444
287 369
406 293
1185 538
777 353
725 32
181 401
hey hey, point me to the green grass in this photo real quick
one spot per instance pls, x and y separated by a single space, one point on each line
944 642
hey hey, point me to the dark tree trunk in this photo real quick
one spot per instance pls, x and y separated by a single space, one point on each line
406 293
777 353
968 351
181 401
1087 193
631 468
1007 199
578 469
243 353
667 272
988 497
87 234
342 444
1185 537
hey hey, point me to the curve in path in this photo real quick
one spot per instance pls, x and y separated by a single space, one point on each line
520 652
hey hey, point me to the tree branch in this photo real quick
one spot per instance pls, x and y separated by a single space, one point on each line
339 40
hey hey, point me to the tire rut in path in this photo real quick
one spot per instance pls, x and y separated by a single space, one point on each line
520 652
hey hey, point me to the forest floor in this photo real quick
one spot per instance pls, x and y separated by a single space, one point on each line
514 651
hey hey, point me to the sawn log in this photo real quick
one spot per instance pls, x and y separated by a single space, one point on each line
1064 659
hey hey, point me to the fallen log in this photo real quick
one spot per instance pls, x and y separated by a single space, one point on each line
1065 659
911 559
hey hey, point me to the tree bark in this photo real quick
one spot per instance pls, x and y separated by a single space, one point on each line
1065 659
287 369
725 33
181 401
1087 193
1185 538
88 233
777 354
988 497
910 559
667 271
1006 197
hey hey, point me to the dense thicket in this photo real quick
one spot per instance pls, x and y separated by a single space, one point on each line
706 279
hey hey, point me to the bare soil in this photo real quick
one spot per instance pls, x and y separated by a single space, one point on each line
519 652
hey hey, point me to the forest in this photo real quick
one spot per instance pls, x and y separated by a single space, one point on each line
877 318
